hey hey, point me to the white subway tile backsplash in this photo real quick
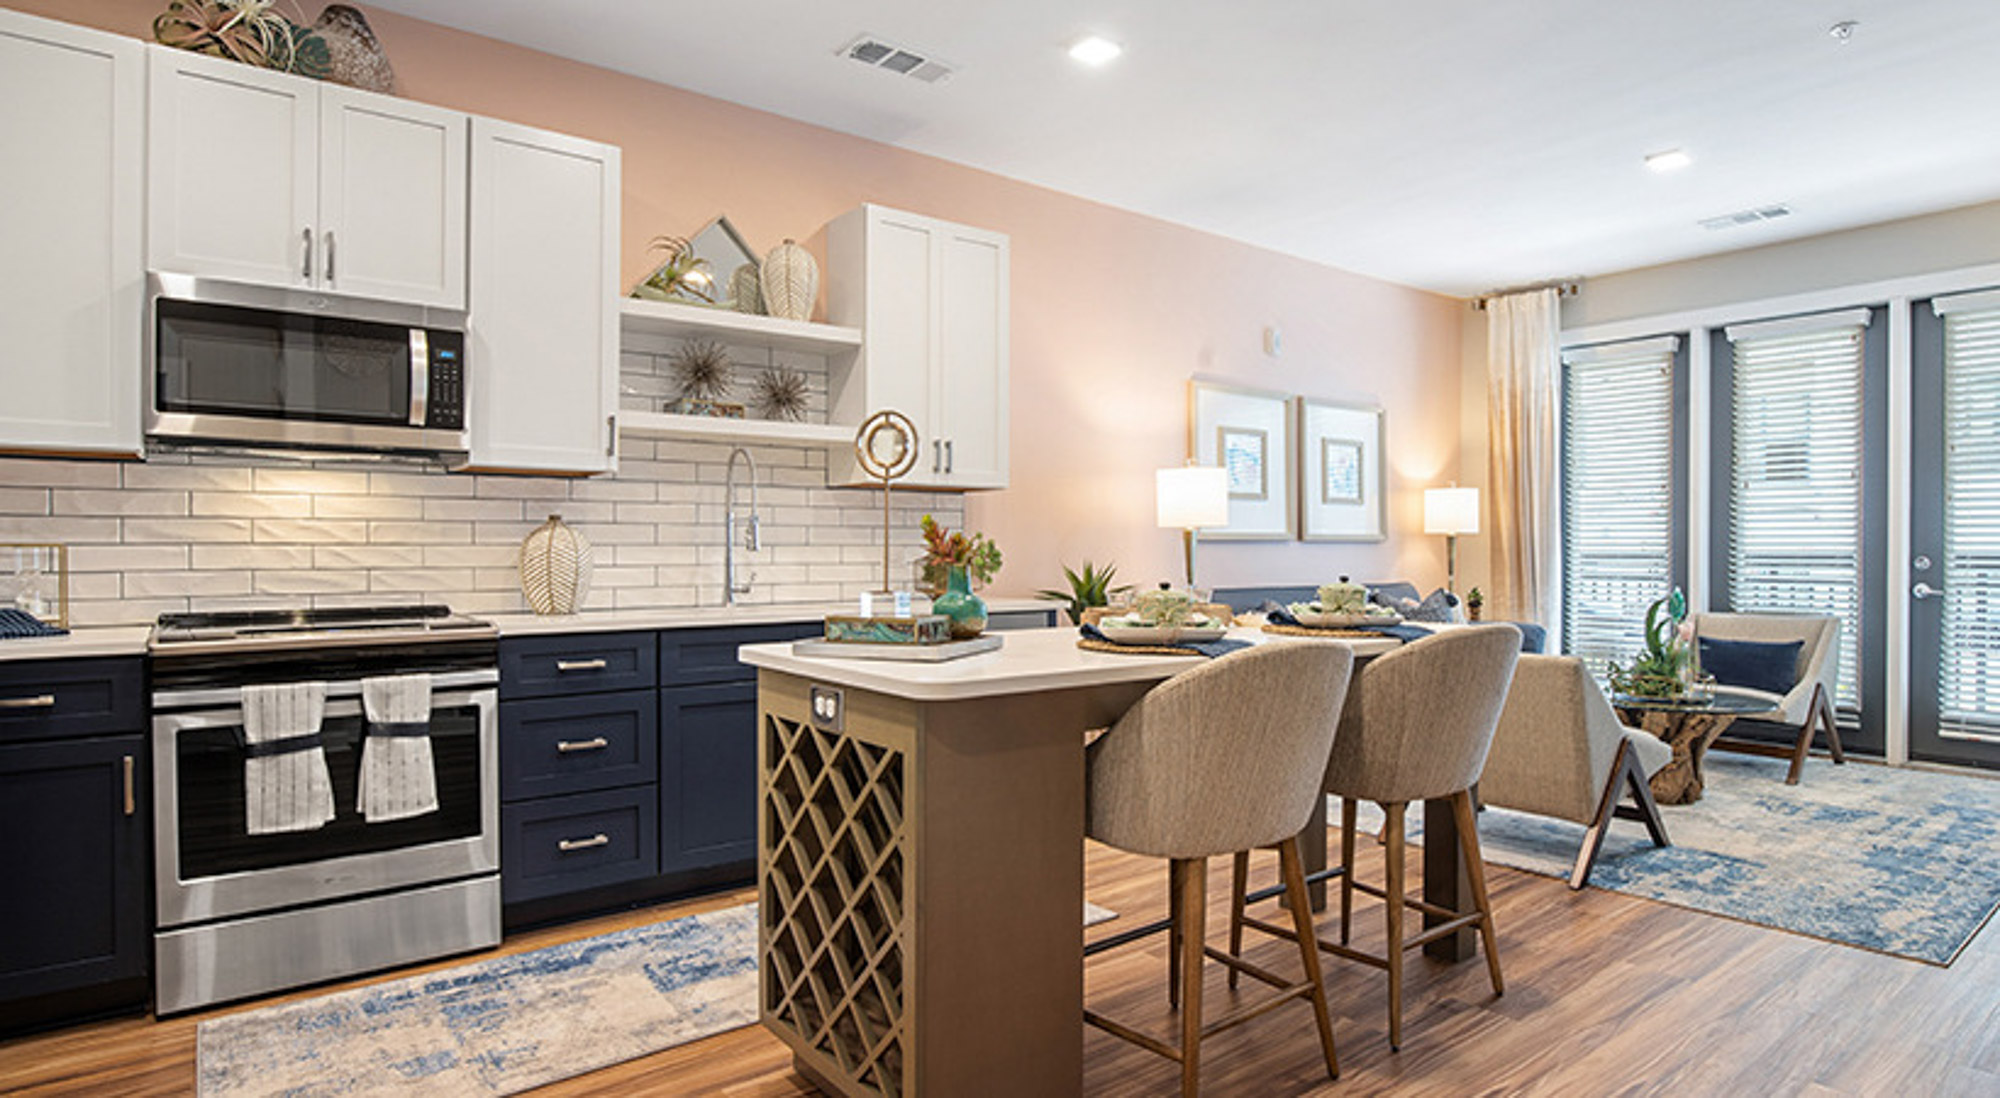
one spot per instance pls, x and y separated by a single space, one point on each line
186 532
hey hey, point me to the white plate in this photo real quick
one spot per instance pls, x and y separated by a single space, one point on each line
1317 620
1154 634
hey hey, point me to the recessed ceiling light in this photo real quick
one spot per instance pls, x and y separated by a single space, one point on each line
1093 50
1672 160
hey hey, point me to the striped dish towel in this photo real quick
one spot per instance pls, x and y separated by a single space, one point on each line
397 776
285 782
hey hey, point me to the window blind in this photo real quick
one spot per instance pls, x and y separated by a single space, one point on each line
1617 495
1969 656
1795 498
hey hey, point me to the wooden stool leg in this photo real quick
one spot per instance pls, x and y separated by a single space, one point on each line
1194 905
1475 870
1176 868
1393 831
1348 815
1295 894
1239 887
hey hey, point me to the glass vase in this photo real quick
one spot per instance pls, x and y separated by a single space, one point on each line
966 610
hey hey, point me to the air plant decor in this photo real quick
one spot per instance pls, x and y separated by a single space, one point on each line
682 274
1088 588
1664 669
701 369
781 393
252 32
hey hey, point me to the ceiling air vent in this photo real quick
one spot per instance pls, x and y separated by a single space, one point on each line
1746 217
878 54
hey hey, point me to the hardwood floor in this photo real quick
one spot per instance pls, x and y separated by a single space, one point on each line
1606 994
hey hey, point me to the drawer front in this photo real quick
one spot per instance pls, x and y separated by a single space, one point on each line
574 745
576 663
690 657
46 699
585 840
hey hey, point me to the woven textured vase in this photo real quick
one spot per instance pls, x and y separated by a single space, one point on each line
555 568
791 279
746 290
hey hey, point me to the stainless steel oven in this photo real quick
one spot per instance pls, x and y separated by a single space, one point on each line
242 913
246 365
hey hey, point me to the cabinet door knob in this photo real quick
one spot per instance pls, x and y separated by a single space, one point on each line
568 845
39 701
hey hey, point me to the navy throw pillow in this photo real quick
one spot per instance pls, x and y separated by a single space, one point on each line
1770 666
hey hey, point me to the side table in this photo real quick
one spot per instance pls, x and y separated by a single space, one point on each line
1688 725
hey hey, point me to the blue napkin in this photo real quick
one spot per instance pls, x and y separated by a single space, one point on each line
20 623
1278 615
1211 649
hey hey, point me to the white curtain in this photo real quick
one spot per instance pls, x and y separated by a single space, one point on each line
1523 365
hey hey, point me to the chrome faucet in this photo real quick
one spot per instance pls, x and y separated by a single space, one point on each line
752 538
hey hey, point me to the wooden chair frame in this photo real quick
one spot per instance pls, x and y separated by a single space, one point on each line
1626 775
1819 717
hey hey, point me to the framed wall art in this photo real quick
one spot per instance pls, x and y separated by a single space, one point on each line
1341 476
1247 433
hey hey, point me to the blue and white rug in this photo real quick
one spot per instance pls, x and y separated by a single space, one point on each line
498 1026
1905 862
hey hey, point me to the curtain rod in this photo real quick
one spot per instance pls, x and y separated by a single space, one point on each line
1568 287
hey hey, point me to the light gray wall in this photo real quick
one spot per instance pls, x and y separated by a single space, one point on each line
1965 237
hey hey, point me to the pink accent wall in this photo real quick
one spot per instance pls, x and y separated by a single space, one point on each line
1112 311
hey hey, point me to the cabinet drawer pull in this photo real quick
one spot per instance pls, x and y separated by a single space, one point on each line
306 267
568 845
329 257
39 701
595 743
131 792
947 455
580 665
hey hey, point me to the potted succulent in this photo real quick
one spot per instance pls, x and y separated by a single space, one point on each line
1474 603
1088 588
1661 671
964 558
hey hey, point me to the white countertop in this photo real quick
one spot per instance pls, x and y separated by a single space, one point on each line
1031 660
119 640
694 617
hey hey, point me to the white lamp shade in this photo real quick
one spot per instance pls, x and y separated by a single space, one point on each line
1193 496
1451 511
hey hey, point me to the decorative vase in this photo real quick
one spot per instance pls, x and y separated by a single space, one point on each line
790 280
746 290
555 568
966 610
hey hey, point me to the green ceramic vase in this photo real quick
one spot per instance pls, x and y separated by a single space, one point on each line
966 610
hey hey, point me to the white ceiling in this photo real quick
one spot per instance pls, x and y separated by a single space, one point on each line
1455 145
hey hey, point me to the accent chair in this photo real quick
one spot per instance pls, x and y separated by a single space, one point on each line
1805 706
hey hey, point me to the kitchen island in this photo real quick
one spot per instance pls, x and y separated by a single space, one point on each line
920 860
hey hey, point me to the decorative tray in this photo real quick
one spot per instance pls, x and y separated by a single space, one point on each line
909 653
1304 614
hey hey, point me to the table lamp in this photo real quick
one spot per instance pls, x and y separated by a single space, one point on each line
1451 511
1191 497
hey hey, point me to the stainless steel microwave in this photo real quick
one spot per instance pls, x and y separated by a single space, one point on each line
246 365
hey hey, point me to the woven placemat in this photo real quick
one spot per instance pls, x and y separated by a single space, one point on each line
1089 645
1309 631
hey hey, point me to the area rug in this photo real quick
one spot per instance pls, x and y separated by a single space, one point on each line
498 1026
1904 862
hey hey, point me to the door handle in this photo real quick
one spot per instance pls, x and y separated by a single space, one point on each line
947 455
568 845
306 268
131 791
595 743
1925 591
937 456
39 701
329 257
580 665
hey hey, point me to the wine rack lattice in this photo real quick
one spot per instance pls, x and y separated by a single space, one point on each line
834 898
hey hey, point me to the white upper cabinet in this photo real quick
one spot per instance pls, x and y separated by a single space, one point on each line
72 109
269 178
542 356
930 298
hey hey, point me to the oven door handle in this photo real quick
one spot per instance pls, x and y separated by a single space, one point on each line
350 688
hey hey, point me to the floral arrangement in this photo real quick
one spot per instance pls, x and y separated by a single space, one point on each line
248 31
975 552
1664 669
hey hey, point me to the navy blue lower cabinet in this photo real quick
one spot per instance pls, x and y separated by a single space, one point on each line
708 776
551 746
73 929
558 845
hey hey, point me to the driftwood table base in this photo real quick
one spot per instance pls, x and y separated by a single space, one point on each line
1689 733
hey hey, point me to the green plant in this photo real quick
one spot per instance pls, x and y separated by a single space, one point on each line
1475 599
1657 672
1088 588
247 31
976 552
682 273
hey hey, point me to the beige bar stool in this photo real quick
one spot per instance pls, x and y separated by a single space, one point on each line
1222 758
1417 728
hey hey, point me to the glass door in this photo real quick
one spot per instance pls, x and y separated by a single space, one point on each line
1954 582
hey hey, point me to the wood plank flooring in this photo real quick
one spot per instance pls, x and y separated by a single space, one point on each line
1606 994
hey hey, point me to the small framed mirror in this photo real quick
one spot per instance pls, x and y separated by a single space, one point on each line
704 272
